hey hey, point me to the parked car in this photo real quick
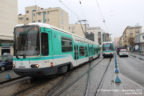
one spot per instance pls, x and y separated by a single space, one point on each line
6 62
123 52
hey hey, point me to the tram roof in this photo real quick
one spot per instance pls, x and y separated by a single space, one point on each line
76 37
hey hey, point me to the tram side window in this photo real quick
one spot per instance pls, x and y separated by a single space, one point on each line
96 50
44 44
81 50
86 52
66 44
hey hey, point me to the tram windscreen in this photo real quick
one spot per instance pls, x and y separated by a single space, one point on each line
108 47
27 41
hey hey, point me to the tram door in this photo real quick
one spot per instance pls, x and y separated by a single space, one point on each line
76 52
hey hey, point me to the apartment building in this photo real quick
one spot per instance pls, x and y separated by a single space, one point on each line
8 19
78 29
106 37
91 33
121 44
98 34
139 43
116 42
129 34
53 16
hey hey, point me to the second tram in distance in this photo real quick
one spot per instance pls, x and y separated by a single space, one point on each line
107 49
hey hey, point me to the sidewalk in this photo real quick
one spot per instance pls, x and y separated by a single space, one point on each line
127 87
136 55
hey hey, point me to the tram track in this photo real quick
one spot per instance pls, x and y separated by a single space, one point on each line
45 82
13 81
22 85
103 77
100 83
87 83
10 80
61 91
39 82
51 90
31 84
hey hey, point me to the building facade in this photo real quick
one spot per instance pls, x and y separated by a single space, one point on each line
121 44
128 36
98 34
8 19
116 42
78 29
91 33
53 16
106 37
139 43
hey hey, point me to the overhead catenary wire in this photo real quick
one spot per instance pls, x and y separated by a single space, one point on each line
70 10
81 5
101 13
77 16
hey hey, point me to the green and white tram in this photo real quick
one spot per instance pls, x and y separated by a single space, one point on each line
107 49
43 50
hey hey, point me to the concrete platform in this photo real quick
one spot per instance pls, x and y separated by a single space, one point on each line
3 75
127 87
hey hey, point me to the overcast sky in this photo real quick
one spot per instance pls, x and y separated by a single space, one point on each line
117 13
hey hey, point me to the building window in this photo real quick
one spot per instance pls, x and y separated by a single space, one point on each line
33 14
131 34
47 20
81 50
66 44
20 18
34 10
86 51
27 11
39 20
137 31
39 13
27 18
62 13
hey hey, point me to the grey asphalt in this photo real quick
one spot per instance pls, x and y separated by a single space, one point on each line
132 68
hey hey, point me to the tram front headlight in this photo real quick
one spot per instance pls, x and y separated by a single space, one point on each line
35 66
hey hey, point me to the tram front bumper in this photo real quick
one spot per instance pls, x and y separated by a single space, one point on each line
108 54
36 72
